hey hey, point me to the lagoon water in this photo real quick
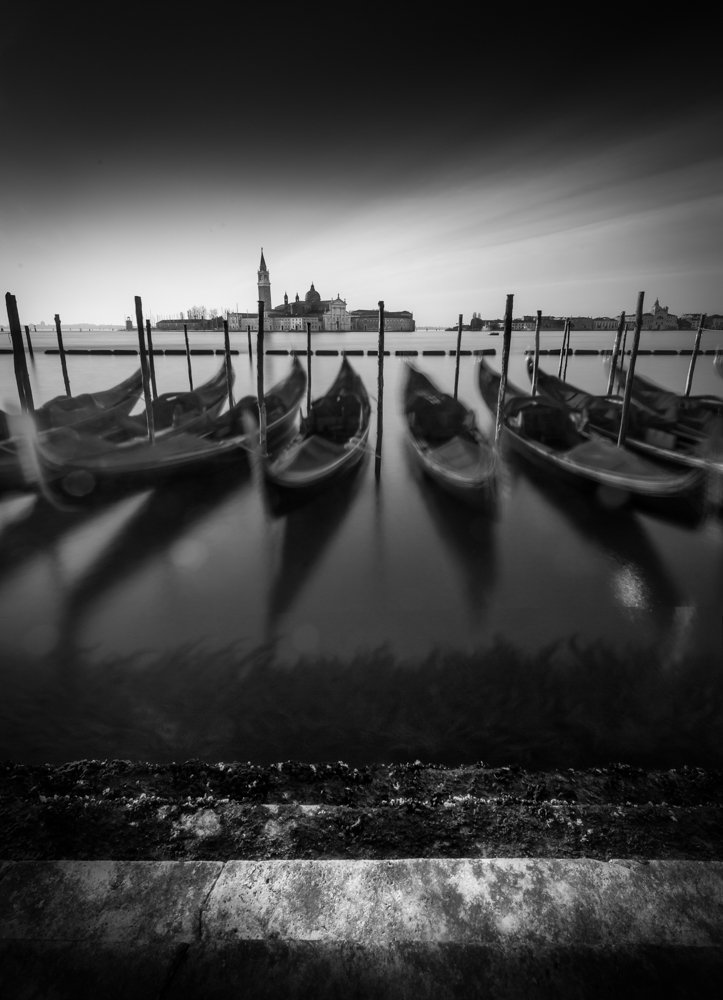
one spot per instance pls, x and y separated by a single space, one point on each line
380 622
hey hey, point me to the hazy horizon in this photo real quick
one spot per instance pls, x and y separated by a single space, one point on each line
435 164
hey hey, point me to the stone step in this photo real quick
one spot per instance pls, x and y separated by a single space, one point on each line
408 928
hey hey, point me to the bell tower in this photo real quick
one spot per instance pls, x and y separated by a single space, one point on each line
264 284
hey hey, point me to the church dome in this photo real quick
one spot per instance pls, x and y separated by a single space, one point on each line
312 297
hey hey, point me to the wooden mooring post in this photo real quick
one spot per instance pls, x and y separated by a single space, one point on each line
568 350
308 369
152 363
229 367
622 347
506 343
536 363
22 378
260 380
563 350
631 371
30 344
251 353
616 353
459 344
144 371
61 349
380 395
696 348
188 356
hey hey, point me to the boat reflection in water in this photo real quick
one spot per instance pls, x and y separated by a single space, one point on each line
379 621
469 533
640 583
168 513
307 529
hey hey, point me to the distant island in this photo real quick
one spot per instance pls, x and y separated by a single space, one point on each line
659 318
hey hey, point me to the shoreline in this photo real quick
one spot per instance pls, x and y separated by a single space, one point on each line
197 810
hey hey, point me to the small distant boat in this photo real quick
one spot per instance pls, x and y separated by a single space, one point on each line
80 465
551 438
332 439
84 409
446 441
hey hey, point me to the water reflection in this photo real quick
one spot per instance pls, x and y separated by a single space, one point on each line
469 534
41 527
159 525
308 529
640 579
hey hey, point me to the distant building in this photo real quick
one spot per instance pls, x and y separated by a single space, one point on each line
659 318
368 319
320 314
214 323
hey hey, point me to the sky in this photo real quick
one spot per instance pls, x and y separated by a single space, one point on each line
437 161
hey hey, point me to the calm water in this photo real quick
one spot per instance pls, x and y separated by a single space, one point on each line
380 622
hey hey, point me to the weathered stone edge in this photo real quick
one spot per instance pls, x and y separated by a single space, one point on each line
499 904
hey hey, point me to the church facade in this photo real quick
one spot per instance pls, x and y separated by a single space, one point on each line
319 314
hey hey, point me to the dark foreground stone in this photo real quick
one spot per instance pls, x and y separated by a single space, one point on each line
194 810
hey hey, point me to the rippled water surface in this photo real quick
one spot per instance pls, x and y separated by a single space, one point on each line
380 621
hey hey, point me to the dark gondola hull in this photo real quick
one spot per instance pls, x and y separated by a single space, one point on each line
328 447
173 413
648 433
80 466
83 411
680 497
615 476
694 413
446 443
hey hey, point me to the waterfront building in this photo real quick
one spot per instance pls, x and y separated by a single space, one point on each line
368 319
605 323
320 314
659 318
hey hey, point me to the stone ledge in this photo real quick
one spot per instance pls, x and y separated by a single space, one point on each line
409 927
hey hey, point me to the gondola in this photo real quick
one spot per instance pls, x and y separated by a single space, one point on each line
81 465
331 442
551 438
445 440
173 412
187 409
648 432
83 410
695 413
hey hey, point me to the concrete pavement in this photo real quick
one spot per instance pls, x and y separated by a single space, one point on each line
421 928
